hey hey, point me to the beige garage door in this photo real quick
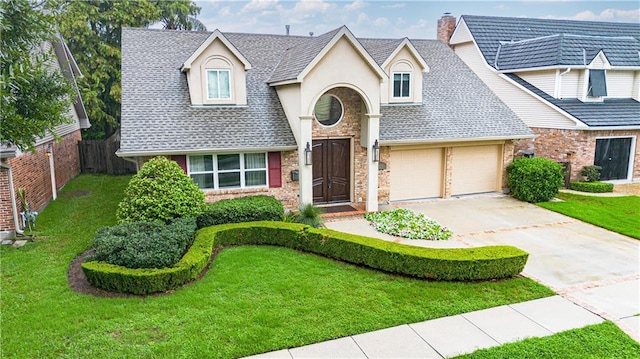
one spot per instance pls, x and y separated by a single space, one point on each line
416 173
474 169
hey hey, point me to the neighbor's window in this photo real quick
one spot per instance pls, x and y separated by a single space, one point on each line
597 83
218 84
237 170
401 85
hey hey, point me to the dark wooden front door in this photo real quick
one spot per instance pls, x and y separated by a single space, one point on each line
331 170
612 154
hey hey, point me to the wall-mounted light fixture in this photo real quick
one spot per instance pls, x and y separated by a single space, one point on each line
49 151
308 155
376 152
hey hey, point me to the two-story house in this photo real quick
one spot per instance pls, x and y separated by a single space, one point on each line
324 119
576 84
54 163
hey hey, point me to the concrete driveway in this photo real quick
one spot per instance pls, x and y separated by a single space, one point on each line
593 267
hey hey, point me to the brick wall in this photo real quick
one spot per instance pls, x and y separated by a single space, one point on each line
31 172
576 147
6 216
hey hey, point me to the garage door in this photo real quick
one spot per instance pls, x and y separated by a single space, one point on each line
416 173
474 169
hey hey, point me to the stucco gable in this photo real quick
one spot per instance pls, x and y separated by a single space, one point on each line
216 35
406 44
298 63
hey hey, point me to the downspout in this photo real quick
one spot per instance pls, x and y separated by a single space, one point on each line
12 192
52 171
132 160
559 88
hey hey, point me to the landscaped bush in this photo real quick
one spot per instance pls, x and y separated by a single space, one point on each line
407 224
592 187
451 264
591 173
144 244
243 209
308 214
534 179
160 191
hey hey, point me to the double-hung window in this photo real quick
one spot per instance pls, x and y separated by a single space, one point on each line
401 84
237 170
218 84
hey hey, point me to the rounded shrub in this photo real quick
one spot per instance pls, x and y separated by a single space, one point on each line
534 179
160 191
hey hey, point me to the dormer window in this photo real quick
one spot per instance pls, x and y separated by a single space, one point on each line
218 84
401 84
597 83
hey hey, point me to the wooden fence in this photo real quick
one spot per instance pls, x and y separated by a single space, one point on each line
99 156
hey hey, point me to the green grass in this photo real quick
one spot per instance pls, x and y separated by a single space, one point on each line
252 300
618 214
598 341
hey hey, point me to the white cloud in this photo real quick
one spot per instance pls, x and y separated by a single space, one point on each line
362 18
381 22
312 6
356 5
225 11
612 15
397 5
259 5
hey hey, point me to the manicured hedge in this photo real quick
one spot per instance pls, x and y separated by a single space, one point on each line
144 244
449 264
534 179
592 187
243 209
145 281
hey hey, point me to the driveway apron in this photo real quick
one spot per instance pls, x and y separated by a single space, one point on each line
593 267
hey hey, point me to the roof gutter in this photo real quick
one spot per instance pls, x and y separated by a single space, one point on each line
555 67
453 140
203 151
611 128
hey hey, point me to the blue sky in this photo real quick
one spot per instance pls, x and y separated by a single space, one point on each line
393 19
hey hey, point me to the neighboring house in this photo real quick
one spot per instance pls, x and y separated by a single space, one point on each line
576 84
43 173
326 119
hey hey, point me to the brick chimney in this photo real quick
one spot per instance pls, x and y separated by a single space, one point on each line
446 25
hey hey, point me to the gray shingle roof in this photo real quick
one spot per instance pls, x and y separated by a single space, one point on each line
157 115
609 113
552 42
297 57
457 104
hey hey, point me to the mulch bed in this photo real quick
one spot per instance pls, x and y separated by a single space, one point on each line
78 281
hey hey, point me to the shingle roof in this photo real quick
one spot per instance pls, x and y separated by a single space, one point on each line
609 113
297 57
157 115
457 104
526 43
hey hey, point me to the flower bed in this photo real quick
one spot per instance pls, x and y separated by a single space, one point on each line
405 223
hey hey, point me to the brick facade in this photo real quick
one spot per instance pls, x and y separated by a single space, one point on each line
6 215
31 171
574 146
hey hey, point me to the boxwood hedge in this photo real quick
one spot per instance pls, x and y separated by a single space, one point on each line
447 264
592 187
243 209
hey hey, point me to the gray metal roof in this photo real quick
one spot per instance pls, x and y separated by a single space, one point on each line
157 115
527 43
609 113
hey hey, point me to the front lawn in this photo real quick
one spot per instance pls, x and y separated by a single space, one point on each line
603 340
252 300
618 214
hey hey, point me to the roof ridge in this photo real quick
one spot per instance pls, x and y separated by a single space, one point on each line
552 20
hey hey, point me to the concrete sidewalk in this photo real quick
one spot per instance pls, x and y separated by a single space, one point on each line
451 336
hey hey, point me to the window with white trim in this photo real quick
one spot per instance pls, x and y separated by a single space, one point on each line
229 170
218 84
401 84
